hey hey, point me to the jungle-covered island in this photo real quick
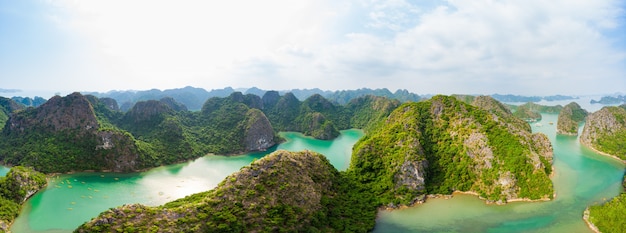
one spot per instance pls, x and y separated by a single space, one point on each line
16 187
569 118
413 147
605 131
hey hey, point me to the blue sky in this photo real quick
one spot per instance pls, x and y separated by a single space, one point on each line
532 47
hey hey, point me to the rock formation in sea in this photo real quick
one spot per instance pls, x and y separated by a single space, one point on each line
605 131
19 184
282 192
569 118
445 145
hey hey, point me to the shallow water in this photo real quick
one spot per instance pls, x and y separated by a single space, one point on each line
70 200
582 177
4 170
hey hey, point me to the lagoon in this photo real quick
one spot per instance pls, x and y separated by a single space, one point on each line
582 178
70 200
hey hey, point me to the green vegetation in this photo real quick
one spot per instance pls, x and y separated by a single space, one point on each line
605 131
569 119
609 217
88 133
452 146
17 186
531 111
282 192
319 118
432 147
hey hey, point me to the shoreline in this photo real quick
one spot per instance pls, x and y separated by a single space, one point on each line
591 226
601 153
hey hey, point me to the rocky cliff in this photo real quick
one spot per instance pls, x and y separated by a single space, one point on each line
444 145
64 135
569 118
282 192
605 131
259 134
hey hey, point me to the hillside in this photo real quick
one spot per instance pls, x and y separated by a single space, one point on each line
605 131
532 111
609 217
444 145
569 119
19 184
88 133
282 192
318 117
8 107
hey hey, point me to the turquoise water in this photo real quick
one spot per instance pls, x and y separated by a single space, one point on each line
582 178
4 170
70 200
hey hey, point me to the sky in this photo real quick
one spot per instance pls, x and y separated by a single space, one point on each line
531 47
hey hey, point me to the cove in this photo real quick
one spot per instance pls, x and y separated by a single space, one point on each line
70 200
582 178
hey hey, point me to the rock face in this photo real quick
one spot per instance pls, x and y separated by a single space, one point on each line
282 192
444 145
259 135
605 131
73 112
569 118
64 135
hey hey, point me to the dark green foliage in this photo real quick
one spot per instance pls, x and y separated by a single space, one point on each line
345 96
320 118
569 119
531 111
87 133
455 147
18 184
282 192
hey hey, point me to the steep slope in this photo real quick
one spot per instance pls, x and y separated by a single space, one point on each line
367 111
569 118
444 145
16 187
531 111
64 135
282 192
8 107
320 118
605 131
233 124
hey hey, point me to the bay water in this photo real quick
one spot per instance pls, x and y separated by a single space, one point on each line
582 178
70 200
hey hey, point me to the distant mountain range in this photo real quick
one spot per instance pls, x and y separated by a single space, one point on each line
193 97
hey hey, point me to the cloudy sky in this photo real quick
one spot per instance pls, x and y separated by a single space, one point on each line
530 47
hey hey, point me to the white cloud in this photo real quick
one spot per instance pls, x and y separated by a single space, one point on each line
454 46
